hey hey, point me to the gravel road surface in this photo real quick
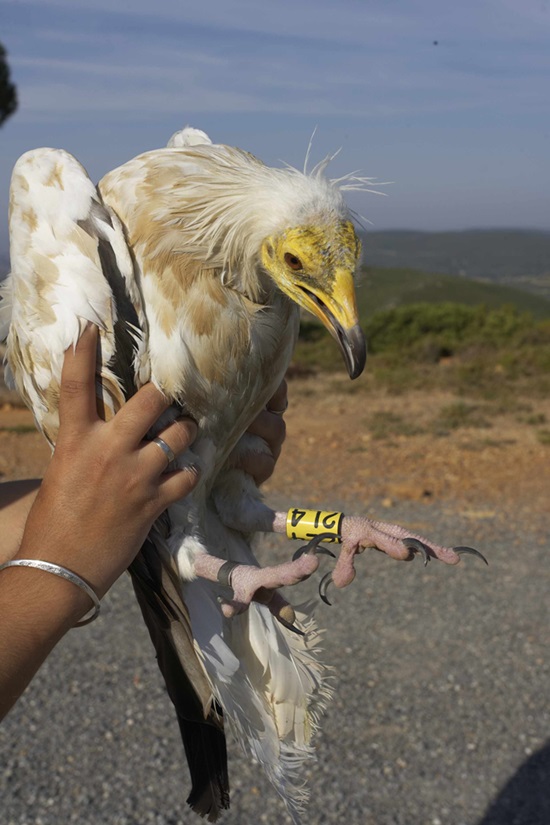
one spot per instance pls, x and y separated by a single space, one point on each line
441 714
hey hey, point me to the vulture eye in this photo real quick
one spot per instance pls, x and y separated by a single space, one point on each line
293 262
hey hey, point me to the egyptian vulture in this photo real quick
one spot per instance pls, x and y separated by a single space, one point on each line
194 261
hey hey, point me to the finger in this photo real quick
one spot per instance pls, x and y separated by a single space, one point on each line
259 465
272 429
177 437
176 485
141 411
279 399
77 397
180 434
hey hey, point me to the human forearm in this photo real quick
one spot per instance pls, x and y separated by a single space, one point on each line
36 610
36 607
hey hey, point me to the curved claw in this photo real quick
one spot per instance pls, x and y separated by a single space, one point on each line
323 587
313 548
291 627
418 547
470 551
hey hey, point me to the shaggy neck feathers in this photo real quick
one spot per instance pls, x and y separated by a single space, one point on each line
216 205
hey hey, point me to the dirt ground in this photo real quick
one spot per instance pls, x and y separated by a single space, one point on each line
334 451
501 462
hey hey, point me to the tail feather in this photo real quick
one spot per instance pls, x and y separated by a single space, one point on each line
199 717
204 746
270 682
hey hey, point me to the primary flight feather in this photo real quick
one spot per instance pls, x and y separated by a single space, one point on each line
194 262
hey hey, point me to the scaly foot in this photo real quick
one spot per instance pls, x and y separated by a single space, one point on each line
247 583
358 533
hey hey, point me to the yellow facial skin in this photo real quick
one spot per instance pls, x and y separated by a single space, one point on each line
315 266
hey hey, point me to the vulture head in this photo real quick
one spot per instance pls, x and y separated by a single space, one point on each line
314 265
231 213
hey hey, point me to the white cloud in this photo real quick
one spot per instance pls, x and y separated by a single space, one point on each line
363 67
336 20
139 72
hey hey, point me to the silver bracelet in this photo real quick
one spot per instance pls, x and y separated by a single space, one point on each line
63 573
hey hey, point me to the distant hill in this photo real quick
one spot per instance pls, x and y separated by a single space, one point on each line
520 258
384 288
507 257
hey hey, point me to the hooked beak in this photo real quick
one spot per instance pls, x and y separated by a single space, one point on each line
338 313
354 349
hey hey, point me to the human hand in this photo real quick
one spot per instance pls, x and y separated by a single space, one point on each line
105 485
270 426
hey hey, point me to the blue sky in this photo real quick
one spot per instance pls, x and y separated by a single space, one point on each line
461 126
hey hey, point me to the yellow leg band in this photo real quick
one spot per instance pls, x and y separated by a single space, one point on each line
306 524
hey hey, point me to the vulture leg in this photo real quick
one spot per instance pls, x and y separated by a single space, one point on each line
246 583
249 583
359 532
356 533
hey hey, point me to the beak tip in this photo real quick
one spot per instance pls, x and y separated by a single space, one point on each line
354 347
355 373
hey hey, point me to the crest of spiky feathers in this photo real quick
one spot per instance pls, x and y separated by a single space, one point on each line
218 204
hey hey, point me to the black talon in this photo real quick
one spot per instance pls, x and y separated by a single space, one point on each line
418 547
323 587
312 547
291 627
470 551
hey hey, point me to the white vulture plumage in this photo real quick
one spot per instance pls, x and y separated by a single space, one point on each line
194 261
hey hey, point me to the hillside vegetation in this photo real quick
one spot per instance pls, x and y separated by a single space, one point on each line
382 288
519 258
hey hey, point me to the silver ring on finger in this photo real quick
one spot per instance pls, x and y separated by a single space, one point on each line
166 449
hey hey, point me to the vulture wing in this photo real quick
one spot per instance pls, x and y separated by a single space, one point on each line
70 265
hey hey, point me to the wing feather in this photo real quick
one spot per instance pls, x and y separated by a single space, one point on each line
61 237
199 717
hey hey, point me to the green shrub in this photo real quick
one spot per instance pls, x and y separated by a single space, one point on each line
438 330
469 350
